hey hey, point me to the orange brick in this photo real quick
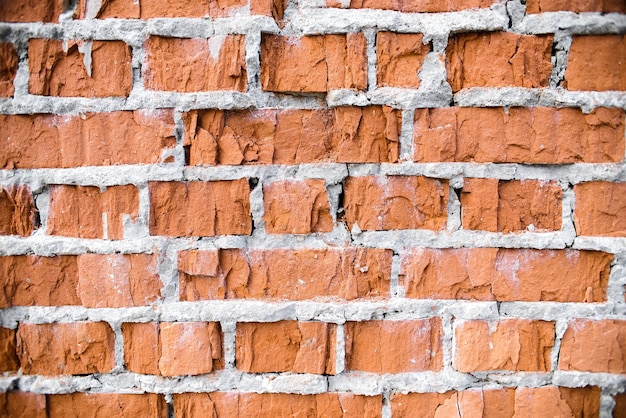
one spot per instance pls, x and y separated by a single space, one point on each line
297 207
31 10
270 405
65 348
86 212
200 208
129 9
514 60
600 208
18 214
416 6
313 64
578 6
195 65
8 352
286 346
79 68
273 8
396 202
346 274
619 410
604 56
142 347
399 58
594 346
8 67
506 275
509 344
293 136
22 404
394 346
112 405
112 138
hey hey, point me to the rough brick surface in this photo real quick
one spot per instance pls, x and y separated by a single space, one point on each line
23 405
286 346
202 208
394 346
399 58
416 6
65 348
101 405
147 9
313 64
293 136
514 60
31 10
600 208
18 214
506 274
285 274
270 405
594 346
396 202
86 212
509 344
603 56
8 352
189 65
79 68
578 6
537 135
8 68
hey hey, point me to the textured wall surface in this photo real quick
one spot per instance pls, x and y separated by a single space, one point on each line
366 208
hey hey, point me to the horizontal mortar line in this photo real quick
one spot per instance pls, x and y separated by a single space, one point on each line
575 23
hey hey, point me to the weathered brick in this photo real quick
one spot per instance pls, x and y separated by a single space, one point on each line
79 68
313 64
100 405
8 351
8 67
22 405
399 58
86 212
416 6
296 207
578 6
506 275
190 65
619 410
142 347
514 60
346 274
597 62
18 214
200 208
112 138
396 202
65 348
594 346
394 346
508 344
600 208
31 10
270 405
273 8
286 346
511 206
535 135
293 136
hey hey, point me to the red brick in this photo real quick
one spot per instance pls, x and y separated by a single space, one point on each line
31 10
273 8
66 348
86 212
293 136
58 68
129 9
396 202
18 214
297 207
578 6
594 346
286 346
506 275
142 347
399 58
544 401
112 405
8 352
28 280
394 346
345 274
8 67
597 63
15 404
509 344
313 64
118 280
511 206
417 6
619 410
200 208
514 60
190 65
270 405
112 138
600 208
537 135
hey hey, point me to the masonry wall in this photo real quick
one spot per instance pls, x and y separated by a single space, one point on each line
361 209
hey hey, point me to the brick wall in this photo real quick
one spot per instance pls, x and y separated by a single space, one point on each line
365 208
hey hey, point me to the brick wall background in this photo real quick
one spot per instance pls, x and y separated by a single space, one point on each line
351 208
